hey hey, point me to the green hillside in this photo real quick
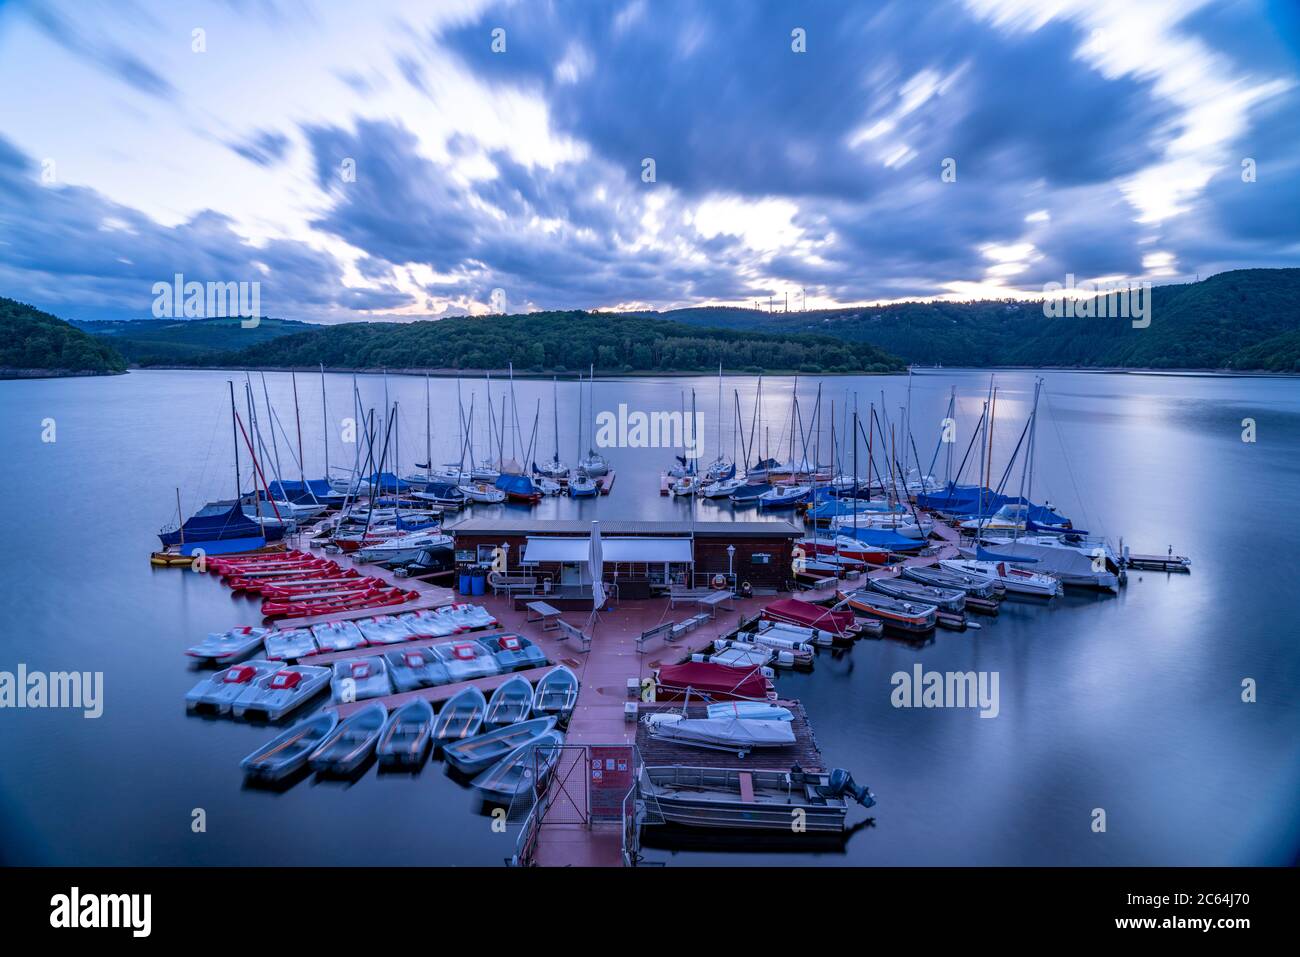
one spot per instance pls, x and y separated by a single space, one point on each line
176 341
1222 322
34 343
557 342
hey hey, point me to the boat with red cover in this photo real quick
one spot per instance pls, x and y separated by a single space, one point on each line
806 614
713 682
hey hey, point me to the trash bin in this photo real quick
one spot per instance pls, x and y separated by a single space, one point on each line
479 583
465 583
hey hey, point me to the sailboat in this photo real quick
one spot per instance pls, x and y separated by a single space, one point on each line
580 480
555 469
593 463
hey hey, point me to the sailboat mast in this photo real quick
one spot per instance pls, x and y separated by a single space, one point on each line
428 433
297 421
234 431
324 421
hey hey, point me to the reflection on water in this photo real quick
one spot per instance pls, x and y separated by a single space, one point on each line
1130 703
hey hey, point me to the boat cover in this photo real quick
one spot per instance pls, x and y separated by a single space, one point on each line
230 546
708 678
810 615
725 732
516 485
984 555
750 710
973 500
228 525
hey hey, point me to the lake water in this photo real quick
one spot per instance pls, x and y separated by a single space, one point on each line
1131 704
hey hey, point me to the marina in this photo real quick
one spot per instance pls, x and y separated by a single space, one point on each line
675 596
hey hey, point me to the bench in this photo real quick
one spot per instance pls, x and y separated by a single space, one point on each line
548 615
569 631
511 583
663 631
713 601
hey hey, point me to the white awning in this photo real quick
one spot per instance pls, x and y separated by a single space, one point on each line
616 550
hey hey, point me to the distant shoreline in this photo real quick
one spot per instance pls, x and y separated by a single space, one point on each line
54 373
644 374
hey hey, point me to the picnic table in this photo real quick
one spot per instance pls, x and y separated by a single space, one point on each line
548 615
713 601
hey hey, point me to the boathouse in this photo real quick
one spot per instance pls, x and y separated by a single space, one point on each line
643 559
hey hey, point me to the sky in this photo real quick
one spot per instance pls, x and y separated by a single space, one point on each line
404 160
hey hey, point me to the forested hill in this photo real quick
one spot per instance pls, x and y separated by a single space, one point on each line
1247 319
554 342
35 343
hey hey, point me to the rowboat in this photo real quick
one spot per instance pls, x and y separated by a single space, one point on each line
521 771
513 652
557 693
288 752
472 755
975 586
406 735
290 644
351 742
737 735
228 646
280 692
466 659
1012 578
945 599
219 690
461 717
906 616
357 678
757 799
338 636
510 703
414 668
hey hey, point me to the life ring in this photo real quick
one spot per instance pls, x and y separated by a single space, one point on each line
746 589
719 581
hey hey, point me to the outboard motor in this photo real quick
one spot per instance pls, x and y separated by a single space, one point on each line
842 783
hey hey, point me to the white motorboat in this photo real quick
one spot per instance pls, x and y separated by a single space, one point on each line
737 735
686 485
1077 561
547 486
1009 518
483 494
1013 578
722 489
740 654
404 548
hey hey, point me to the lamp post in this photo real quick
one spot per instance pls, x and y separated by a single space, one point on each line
731 555
505 553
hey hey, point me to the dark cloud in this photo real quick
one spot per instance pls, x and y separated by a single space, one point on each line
264 147
71 250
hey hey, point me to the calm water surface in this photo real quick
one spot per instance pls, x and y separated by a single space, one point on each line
1130 703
